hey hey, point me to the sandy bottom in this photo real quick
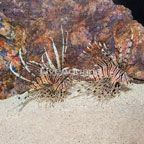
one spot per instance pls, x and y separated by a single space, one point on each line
79 120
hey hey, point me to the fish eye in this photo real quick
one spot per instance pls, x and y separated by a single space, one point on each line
19 97
117 84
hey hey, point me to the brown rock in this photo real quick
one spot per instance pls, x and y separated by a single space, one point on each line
85 21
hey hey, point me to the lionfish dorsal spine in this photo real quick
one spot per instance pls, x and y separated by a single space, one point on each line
18 75
56 53
49 61
42 60
24 64
64 47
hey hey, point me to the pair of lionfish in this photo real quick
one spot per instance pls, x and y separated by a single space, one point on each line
51 82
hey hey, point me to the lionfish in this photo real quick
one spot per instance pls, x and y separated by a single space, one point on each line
48 81
106 76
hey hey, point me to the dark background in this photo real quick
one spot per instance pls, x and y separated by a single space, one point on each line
136 6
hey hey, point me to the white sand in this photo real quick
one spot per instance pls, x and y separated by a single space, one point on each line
76 121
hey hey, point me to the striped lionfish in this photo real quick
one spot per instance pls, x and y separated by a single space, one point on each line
49 82
106 76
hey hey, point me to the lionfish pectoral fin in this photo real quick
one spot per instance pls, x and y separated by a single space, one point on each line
21 98
23 104
61 81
